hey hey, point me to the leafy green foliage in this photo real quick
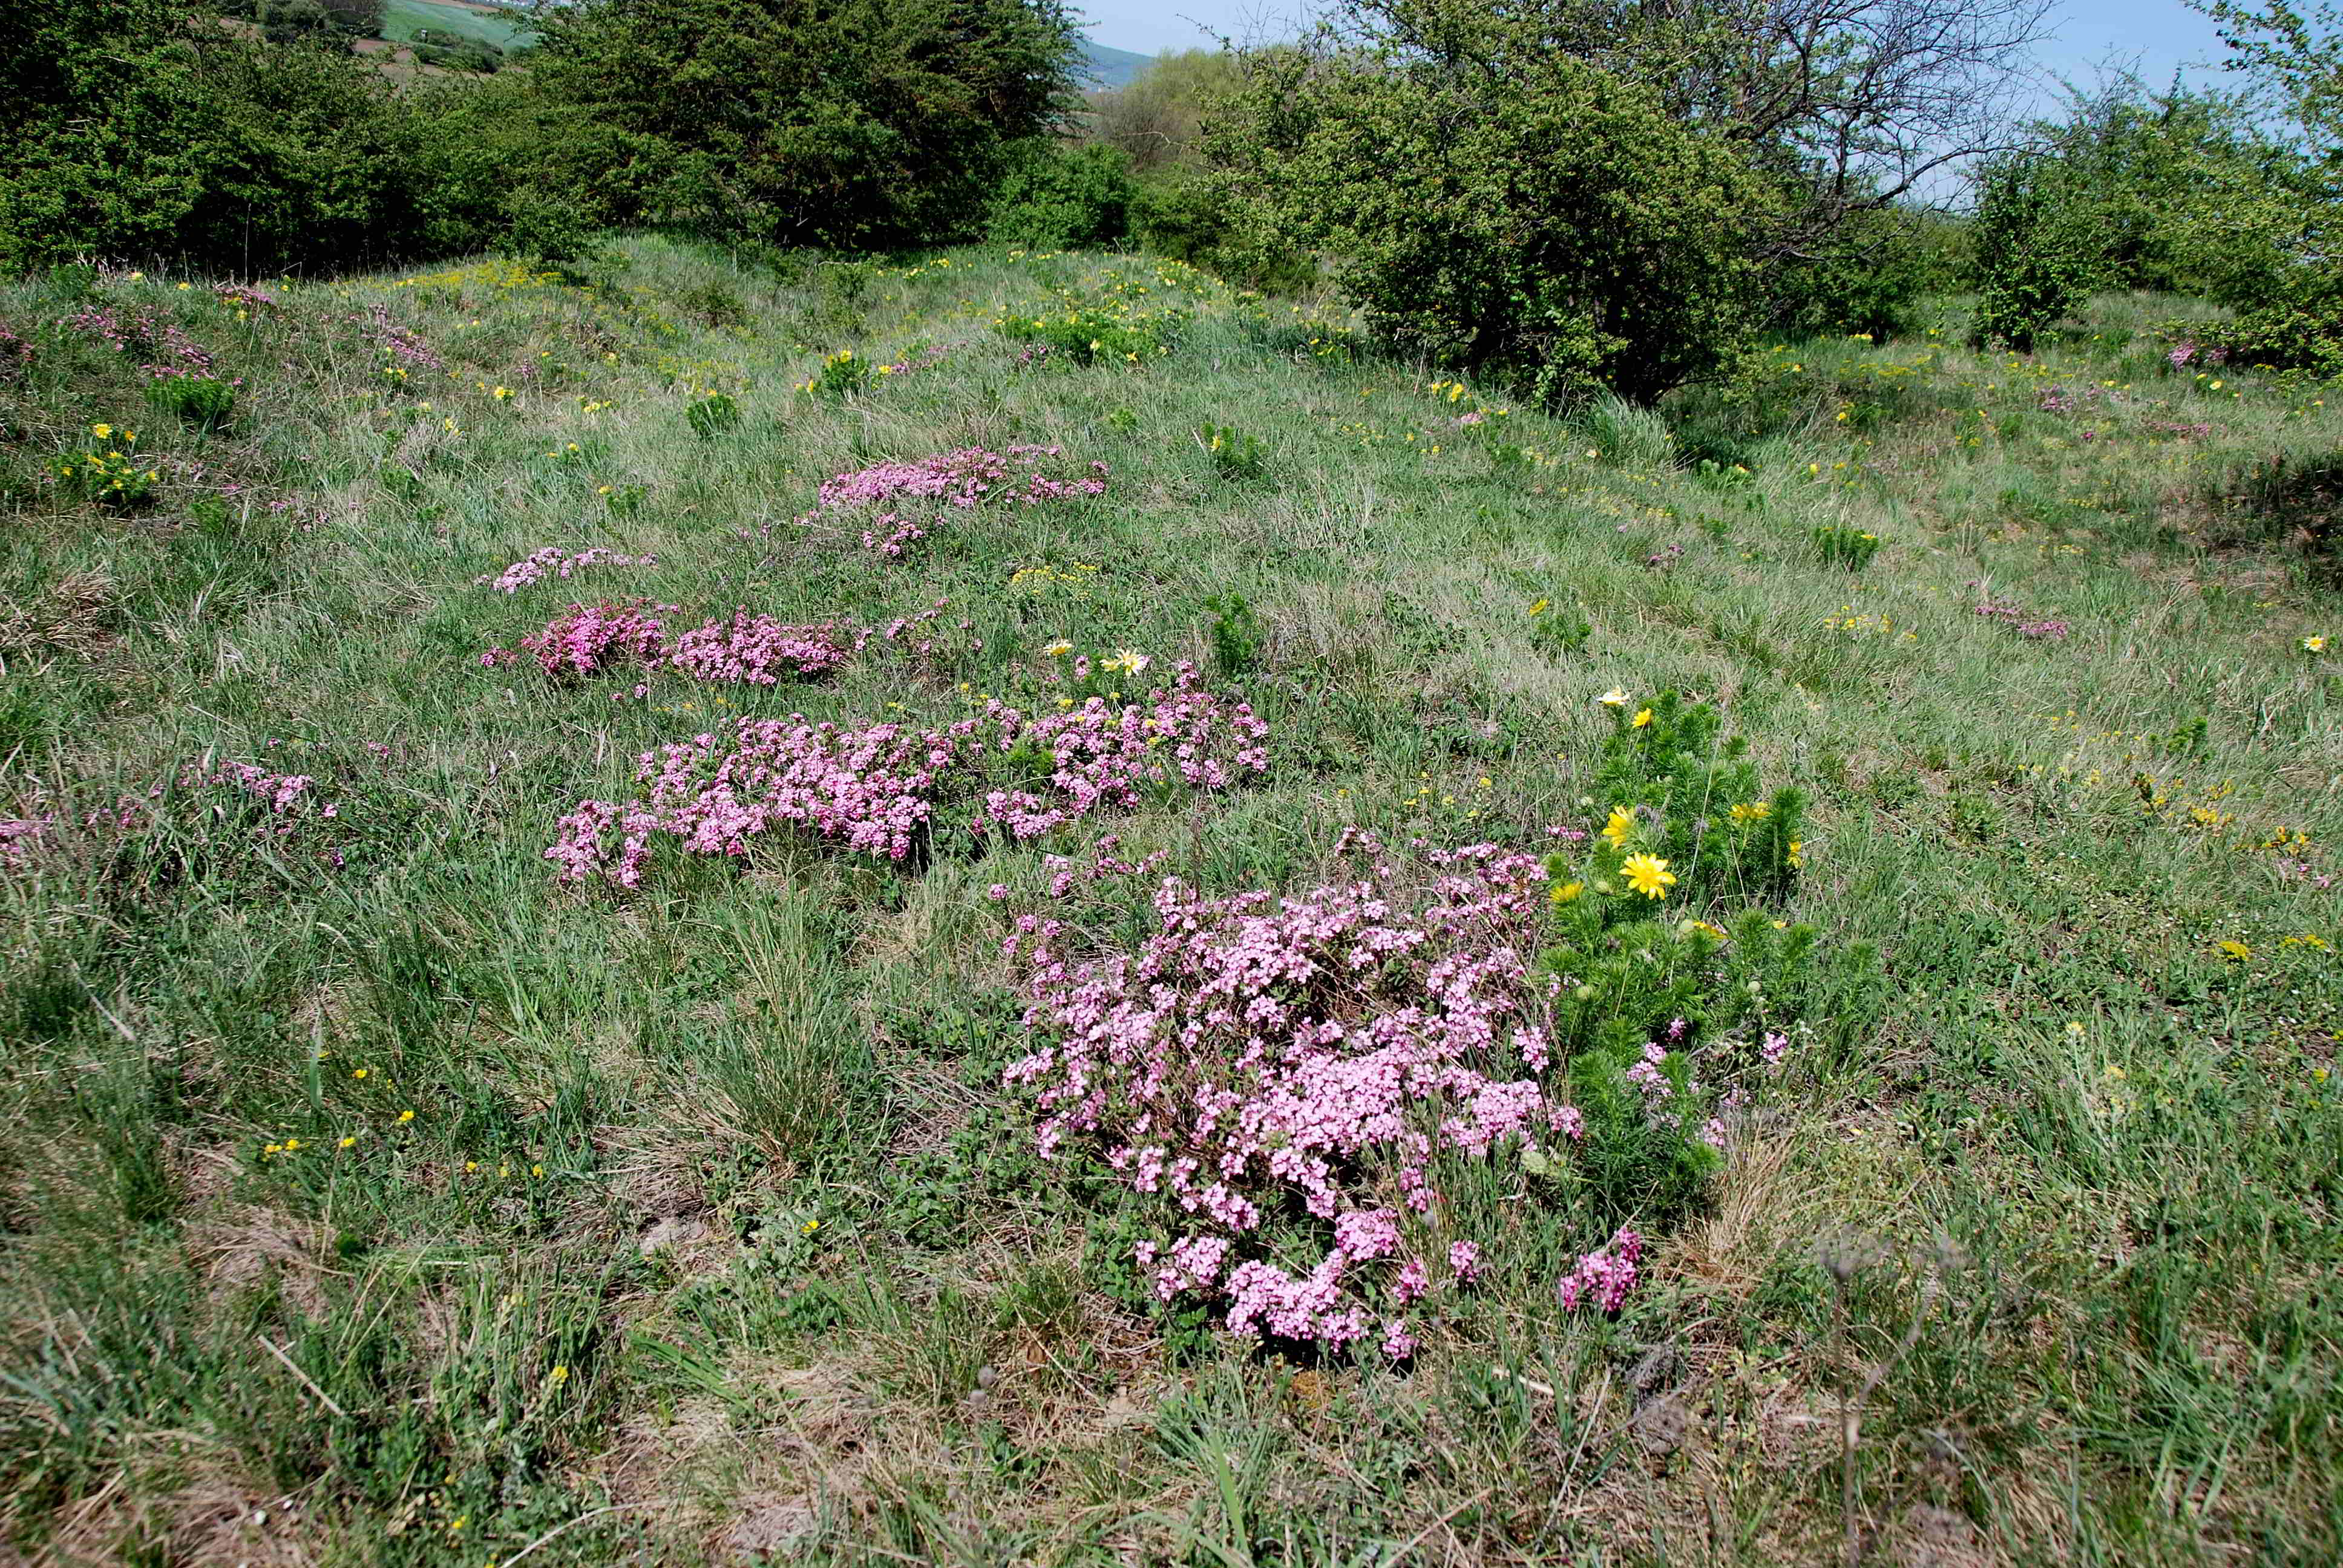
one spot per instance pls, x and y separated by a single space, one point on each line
712 416
863 123
1869 274
1841 545
1525 216
205 402
2037 254
1053 197
1236 633
1235 454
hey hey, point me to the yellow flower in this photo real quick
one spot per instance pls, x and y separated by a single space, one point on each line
361 1072
1648 875
2236 949
1568 891
103 432
1643 717
810 1227
1615 698
1752 812
405 1116
1540 608
1622 823
1796 858
1058 649
2314 645
346 1142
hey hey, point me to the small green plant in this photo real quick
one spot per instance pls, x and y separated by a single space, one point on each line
204 402
624 500
1844 546
841 374
109 471
712 415
1124 419
1556 631
1097 335
1234 457
1236 632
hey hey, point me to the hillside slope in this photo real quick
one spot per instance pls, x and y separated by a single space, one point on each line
373 1193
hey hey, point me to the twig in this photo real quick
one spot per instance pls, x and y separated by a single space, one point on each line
561 1529
273 1348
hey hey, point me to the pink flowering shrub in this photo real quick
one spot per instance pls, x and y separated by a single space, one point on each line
2034 628
747 650
880 789
157 340
757 650
556 562
904 502
1292 1087
1281 1072
1603 1278
590 640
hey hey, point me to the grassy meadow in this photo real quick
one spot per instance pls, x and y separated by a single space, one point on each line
368 1194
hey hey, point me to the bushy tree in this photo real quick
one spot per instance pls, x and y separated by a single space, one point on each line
1052 196
148 130
2293 63
858 123
1870 273
1851 107
1157 119
1508 208
2037 254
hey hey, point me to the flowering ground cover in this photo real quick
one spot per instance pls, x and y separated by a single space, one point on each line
1037 910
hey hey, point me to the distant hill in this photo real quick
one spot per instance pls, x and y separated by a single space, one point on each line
1112 67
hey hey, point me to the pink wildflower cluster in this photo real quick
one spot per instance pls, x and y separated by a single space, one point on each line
747 650
16 837
2016 620
907 499
554 561
1263 1055
878 788
399 342
1603 1278
279 791
145 334
15 353
243 295
921 359
2188 350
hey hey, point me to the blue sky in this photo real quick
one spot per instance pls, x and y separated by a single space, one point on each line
2159 35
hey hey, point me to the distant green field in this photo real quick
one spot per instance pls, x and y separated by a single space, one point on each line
405 21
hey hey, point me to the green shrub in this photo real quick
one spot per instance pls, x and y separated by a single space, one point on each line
1234 456
712 416
1189 215
1541 223
1844 546
1870 275
1053 197
1236 632
864 123
1088 337
2036 255
205 402
840 374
